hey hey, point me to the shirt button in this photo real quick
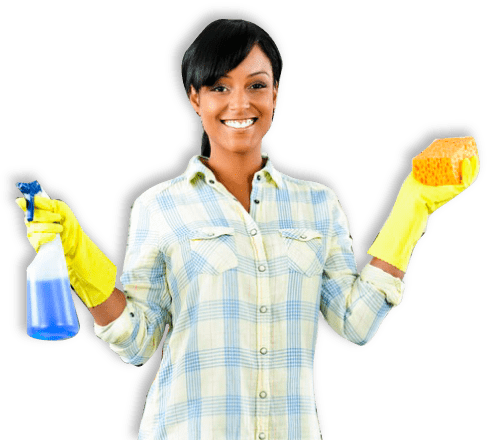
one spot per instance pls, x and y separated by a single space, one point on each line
211 181
262 436
258 177
263 394
263 309
262 268
253 232
131 314
256 201
263 350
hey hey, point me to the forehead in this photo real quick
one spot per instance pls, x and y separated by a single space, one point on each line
256 61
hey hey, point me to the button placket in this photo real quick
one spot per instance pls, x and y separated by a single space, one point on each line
255 198
263 334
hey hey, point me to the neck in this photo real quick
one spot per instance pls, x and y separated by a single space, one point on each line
233 168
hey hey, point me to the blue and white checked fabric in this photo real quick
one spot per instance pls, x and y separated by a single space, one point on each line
239 295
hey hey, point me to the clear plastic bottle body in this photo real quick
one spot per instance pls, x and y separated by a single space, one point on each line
51 314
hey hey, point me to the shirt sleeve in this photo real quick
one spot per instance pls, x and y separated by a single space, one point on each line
353 304
137 332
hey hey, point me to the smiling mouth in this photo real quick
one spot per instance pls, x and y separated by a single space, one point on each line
239 123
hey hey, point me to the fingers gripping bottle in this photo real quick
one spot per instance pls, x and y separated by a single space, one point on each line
51 314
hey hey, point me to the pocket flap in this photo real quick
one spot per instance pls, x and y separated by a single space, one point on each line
302 234
208 232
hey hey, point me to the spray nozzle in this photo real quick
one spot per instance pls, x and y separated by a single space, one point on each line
29 190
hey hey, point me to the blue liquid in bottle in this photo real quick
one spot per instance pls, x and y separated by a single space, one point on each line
51 311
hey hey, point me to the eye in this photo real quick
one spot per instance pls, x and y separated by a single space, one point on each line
218 88
259 85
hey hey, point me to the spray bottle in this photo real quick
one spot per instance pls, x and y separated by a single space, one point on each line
51 314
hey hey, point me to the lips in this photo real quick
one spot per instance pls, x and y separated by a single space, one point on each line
239 123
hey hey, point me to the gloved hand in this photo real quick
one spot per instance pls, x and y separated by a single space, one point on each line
408 219
91 274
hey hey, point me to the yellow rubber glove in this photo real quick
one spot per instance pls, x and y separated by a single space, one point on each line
408 218
92 275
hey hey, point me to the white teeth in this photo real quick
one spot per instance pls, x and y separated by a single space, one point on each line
239 124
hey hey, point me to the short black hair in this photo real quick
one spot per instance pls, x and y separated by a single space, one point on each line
220 48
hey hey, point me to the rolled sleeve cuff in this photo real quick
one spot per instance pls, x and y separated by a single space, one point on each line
387 284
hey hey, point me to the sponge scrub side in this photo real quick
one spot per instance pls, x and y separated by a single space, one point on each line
441 162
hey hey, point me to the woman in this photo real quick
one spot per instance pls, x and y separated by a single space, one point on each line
236 260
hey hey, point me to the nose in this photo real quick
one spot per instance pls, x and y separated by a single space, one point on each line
239 99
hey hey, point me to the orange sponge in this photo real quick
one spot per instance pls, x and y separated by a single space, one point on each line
441 162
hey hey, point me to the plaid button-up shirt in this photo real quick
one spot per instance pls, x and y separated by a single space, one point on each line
239 295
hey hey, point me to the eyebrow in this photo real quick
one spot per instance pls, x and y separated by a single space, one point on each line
252 74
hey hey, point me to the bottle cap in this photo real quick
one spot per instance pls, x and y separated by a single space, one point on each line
29 190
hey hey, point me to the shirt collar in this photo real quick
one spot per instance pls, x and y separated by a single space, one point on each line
196 166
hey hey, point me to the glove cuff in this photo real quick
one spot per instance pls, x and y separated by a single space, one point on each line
92 274
404 227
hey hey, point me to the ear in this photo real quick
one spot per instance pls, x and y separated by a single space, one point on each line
194 99
275 94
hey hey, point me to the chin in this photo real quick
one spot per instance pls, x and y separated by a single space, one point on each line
234 146
243 149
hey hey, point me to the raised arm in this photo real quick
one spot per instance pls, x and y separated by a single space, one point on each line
407 221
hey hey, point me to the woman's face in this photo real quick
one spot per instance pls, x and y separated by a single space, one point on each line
236 112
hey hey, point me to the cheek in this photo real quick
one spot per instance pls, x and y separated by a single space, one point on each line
211 107
268 108
209 115
268 104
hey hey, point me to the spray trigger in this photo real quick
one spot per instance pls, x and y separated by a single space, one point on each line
29 190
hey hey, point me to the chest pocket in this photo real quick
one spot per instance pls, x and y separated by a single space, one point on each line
211 249
304 250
